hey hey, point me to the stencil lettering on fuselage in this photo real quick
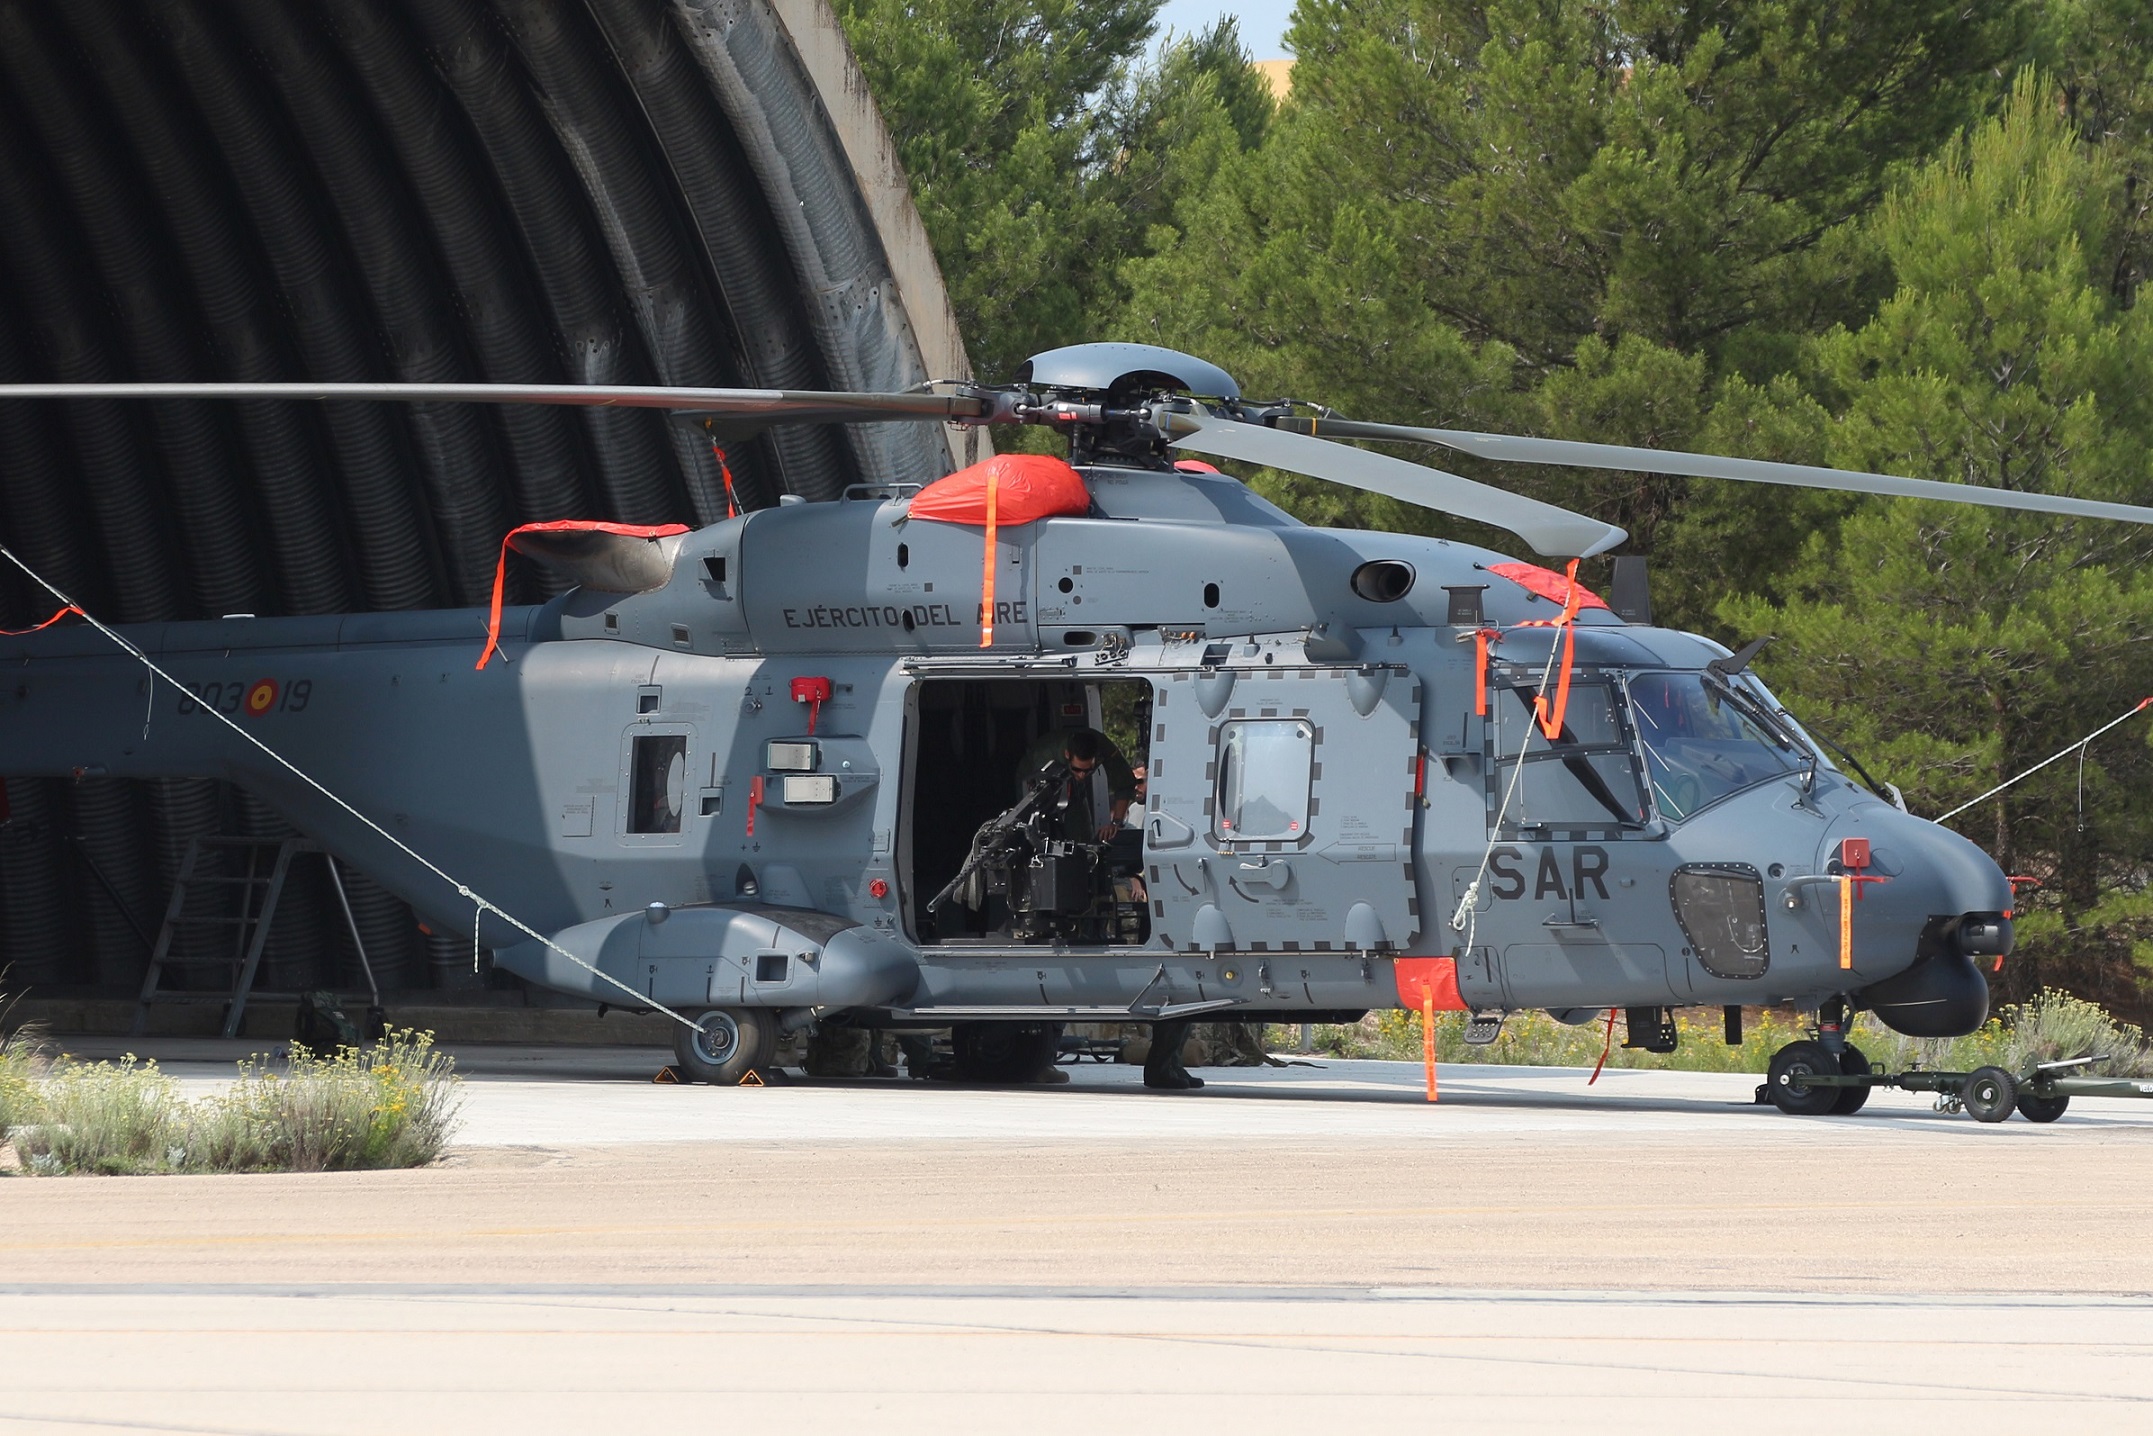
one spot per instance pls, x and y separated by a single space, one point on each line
1514 873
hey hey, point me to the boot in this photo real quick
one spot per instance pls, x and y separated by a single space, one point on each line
1162 1068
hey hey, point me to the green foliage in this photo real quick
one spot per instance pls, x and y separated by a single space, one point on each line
1040 153
1565 218
392 1104
1954 647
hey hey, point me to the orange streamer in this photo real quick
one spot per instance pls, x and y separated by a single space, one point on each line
39 628
500 567
1607 1044
1551 717
1480 673
1427 1036
986 576
1846 922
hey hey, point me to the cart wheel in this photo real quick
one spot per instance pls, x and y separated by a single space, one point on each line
1852 1099
2041 1109
1793 1063
1990 1094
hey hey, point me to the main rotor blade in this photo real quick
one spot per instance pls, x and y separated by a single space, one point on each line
772 406
1550 530
1512 449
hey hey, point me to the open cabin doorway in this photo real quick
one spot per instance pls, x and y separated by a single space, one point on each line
967 741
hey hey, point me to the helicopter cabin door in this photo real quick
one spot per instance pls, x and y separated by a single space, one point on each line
1279 809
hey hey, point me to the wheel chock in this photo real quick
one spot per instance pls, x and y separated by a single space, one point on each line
668 1074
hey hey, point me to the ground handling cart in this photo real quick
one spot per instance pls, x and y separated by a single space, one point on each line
1815 1085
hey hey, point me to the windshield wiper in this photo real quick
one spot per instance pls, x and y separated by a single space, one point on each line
1868 782
1757 712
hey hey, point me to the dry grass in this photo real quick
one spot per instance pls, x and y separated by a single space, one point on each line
393 1104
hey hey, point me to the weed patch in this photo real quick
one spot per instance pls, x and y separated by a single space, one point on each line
393 1104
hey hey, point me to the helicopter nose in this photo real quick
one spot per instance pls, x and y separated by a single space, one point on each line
1931 904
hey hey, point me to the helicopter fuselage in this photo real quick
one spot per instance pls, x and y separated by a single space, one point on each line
740 787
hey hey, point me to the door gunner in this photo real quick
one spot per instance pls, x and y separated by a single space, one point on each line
1094 793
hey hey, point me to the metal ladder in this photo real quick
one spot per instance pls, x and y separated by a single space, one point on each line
259 893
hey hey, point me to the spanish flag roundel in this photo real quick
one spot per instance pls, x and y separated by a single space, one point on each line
261 698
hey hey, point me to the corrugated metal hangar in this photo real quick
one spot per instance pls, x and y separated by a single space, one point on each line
687 192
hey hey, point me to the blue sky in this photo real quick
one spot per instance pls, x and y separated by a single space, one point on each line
1262 21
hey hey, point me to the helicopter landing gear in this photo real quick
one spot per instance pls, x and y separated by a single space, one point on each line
1004 1052
1852 1063
725 1045
1786 1080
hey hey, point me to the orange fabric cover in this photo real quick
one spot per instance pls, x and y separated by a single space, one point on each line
1422 977
1549 584
1026 487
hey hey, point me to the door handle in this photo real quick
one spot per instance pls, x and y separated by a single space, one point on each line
1164 830
1267 873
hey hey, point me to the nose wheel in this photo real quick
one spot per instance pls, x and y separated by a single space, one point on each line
725 1045
1787 1084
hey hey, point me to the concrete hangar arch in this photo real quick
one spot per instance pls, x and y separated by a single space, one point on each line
563 191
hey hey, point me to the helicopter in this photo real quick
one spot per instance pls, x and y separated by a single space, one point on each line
771 773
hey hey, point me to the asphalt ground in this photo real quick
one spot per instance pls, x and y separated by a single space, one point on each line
1316 1246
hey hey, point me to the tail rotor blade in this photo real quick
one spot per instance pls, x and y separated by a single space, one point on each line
1513 449
1551 531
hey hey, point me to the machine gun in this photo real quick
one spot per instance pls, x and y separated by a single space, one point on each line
1051 884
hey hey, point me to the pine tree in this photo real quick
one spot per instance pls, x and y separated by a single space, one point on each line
1953 647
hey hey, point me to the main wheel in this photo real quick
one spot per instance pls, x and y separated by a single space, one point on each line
2041 1109
1852 1063
1004 1052
725 1045
1990 1094
1784 1079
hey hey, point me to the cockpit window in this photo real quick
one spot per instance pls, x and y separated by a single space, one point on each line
1585 777
1699 745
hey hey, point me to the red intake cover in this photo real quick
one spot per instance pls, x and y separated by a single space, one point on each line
1026 487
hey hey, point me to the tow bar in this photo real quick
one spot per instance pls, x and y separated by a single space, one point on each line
1991 1094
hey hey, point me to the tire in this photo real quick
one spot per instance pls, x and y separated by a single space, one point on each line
1793 1062
1004 1053
2041 1109
725 1045
1852 1063
1990 1094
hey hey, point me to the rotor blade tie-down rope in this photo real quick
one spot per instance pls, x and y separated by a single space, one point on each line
556 526
2134 711
986 578
477 900
1607 1044
41 627
1467 916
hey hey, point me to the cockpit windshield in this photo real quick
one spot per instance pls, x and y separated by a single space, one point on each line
1700 745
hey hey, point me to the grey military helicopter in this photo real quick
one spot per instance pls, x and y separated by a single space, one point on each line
769 773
